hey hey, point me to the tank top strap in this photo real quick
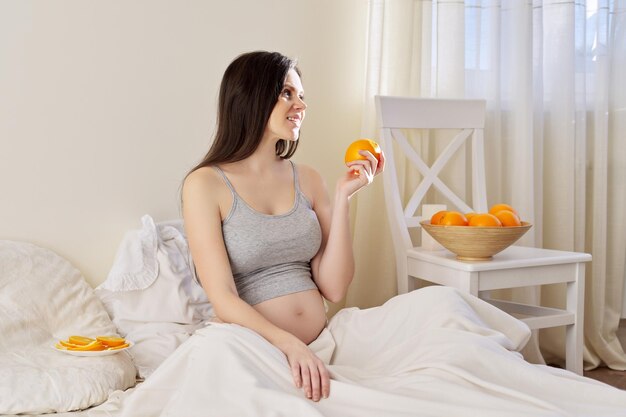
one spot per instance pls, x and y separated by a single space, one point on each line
295 176
226 180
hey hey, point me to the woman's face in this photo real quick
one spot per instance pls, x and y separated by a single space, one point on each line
288 113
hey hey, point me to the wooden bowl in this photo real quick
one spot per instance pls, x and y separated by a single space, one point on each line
474 243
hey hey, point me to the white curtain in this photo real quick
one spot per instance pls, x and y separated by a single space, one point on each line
553 73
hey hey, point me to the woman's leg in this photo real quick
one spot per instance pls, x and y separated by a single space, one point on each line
222 370
363 335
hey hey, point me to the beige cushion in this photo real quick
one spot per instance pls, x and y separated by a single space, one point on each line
43 298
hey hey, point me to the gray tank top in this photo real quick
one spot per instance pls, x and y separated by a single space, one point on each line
270 254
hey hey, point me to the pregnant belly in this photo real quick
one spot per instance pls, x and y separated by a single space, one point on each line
301 313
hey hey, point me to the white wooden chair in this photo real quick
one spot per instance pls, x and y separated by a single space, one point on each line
516 266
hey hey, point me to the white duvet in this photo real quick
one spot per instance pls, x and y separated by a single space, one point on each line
433 352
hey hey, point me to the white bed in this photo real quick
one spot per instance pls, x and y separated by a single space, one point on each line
433 352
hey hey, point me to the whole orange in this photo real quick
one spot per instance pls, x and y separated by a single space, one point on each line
453 218
508 218
469 215
436 218
485 220
501 206
352 153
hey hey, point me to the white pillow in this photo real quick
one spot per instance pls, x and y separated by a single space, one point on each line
43 298
152 294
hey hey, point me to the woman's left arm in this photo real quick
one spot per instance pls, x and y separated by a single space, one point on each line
333 266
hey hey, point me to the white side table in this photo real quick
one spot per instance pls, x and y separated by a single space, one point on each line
515 267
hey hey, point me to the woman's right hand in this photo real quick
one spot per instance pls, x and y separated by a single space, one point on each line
361 172
308 371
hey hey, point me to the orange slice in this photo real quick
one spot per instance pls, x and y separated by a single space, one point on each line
95 345
67 344
111 341
125 345
80 340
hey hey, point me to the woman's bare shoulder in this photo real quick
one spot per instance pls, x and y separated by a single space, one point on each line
201 178
204 181
312 183
309 175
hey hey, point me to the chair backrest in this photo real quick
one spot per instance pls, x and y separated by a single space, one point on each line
395 116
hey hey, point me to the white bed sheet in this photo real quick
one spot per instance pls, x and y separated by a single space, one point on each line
432 352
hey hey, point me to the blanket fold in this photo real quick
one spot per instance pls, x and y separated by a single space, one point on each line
152 293
433 352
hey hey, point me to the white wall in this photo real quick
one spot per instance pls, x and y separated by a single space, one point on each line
104 106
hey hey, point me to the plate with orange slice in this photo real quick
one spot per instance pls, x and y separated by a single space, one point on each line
93 346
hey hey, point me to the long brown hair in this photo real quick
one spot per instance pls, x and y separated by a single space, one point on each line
248 93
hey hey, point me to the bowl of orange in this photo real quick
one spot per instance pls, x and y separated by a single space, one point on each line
476 236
